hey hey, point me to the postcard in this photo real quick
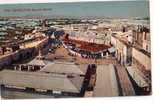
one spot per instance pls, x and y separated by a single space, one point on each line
75 49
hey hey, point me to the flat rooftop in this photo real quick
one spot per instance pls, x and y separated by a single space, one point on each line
65 68
44 81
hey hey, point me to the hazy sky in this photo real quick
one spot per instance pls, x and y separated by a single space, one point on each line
138 8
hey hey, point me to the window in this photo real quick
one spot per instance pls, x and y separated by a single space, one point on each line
147 47
145 36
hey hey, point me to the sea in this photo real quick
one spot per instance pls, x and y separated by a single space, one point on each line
127 9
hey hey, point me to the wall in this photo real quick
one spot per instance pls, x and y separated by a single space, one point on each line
91 40
16 56
123 51
142 58
21 54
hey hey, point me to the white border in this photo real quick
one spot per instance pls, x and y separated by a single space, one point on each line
52 1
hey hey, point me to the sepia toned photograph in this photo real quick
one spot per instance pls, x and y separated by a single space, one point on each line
75 49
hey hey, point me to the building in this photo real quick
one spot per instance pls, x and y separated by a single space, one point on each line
57 84
123 48
141 37
141 53
133 51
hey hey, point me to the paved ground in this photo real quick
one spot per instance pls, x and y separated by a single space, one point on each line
106 83
61 54
125 83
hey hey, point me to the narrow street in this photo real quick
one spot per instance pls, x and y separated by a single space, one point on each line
124 81
106 83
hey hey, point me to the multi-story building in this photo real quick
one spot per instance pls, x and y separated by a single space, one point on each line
133 51
141 37
141 57
123 48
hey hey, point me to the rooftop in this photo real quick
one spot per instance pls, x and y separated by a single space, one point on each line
122 39
65 68
46 81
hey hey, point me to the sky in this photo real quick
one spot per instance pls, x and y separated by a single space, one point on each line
123 9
